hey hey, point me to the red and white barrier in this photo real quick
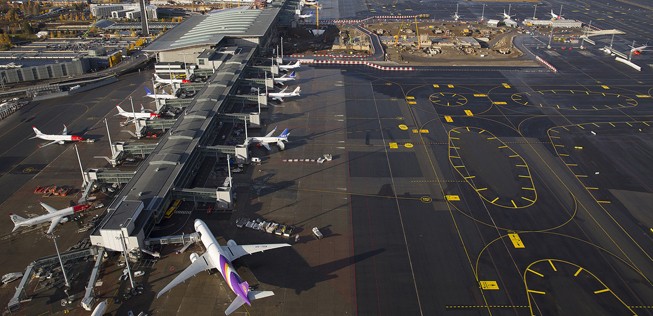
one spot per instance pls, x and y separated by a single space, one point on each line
354 62
546 64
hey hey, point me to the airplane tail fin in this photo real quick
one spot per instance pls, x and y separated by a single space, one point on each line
17 220
36 131
284 134
120 110
292 75
148 92
297 90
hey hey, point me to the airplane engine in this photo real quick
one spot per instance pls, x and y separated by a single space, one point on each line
64 220
281 145
231 243
193 257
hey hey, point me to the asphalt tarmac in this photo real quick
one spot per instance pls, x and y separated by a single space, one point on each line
475 191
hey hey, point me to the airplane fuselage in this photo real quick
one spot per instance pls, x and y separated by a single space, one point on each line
49 216
223 264
61 138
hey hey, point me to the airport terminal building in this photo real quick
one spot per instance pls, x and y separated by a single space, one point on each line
168 172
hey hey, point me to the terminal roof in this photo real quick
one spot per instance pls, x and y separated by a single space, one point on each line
210 29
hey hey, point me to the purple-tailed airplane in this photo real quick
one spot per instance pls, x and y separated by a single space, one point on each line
220 257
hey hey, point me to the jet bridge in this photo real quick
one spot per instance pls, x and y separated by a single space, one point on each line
177 103
258 99
113 177
14 302
176 239
221 196
89 299
254 118
239 151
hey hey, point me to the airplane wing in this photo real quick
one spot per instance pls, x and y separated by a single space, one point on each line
53 223
48 208
201 264
48 144
237 251
264 144
272 132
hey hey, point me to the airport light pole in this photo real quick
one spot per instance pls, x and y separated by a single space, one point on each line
534 11
483 13
80 165
550 37
63 270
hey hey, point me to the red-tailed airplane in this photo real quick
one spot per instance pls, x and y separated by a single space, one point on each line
639 50
54 216
57 139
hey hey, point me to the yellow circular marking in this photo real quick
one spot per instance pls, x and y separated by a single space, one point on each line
486 192
403 127
408 145
448 99
571 271
426 199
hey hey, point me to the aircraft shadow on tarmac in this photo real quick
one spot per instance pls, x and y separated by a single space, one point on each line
288 269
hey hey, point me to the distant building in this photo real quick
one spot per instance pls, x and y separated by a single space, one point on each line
468 41
106 11
564 24
14 71
493 23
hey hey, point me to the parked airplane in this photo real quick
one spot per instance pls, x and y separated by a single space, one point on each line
269 139
556 16
305 16
149 94
57 139
54 216
220 258
507 16
283 94
168 81
285 78
456 17
143 115
639 50
291 66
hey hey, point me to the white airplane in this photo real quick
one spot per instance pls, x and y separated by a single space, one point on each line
638 50
507 16
54 216
556 16
57 139
268 139
149 94
456 17
143 115
169 81
100 308
291 66
305 16
283 94
220 258
285 78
